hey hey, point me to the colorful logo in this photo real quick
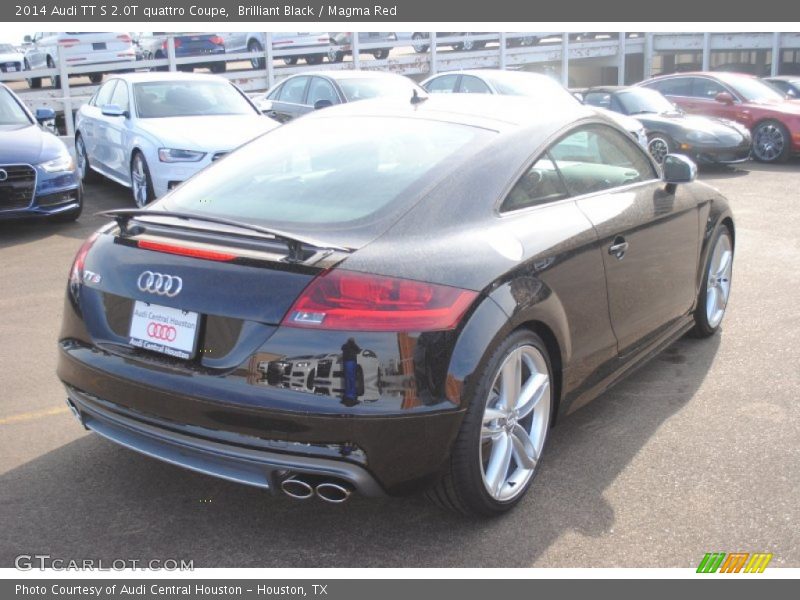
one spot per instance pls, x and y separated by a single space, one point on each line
735 562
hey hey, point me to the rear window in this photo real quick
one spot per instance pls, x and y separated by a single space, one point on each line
324 173
364 88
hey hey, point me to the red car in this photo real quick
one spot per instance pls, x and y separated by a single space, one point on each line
773 119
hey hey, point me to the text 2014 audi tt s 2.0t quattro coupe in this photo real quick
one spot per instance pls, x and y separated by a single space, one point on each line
388 296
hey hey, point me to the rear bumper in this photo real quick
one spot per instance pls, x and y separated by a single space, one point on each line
195 422
241 459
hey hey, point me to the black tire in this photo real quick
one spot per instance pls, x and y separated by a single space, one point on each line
315 59
703 328
70 215
218 67
659 145
255 46
419 47
290 61
461 487
335 56
55 80
95 78
381 54
148 181
85 172
771 142
33 82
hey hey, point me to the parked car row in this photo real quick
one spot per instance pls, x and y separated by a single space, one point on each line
152 131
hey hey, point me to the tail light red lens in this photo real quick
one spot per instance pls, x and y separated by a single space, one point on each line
217 40
124 37
76 273
345 300
165 44
68 42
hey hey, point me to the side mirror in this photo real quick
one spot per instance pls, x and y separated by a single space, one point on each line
264 105
45 114
112 110
27 39
322 104
678 169
724 98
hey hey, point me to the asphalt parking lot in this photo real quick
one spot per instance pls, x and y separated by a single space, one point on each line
698 451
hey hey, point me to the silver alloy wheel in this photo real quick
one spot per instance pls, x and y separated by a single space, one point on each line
80 152
515 423
768 142
658 148
468 45
718 282
139 182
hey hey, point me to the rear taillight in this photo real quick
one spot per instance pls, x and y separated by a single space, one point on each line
68 42
165 43
76 273
217 40
345 300
124 37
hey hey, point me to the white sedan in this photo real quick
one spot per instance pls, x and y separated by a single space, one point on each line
152 131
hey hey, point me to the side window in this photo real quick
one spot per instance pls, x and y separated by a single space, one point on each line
594 158
120 96
472 85
103 95
676 86
293 90
705 88
442 85
321 89
540 184
601 99
275 94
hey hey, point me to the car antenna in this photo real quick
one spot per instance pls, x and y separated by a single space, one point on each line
416 98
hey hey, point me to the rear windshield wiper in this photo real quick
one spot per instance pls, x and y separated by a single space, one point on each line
294 242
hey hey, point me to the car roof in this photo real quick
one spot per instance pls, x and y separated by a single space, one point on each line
352 74
488 111
166 76
722 75
606 89
783 78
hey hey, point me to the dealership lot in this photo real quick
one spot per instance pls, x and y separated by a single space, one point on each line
696 452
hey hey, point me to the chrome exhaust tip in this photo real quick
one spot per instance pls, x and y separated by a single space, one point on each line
335 493
297 488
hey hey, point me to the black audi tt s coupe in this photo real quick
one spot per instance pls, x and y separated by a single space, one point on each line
389 296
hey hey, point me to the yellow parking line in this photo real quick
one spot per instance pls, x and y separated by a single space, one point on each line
29 416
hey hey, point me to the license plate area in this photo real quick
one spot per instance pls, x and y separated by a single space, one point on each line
99 46
165 330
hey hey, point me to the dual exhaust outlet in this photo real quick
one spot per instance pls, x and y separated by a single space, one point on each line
303 488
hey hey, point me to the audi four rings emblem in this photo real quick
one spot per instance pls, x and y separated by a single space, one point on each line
158 283
159 331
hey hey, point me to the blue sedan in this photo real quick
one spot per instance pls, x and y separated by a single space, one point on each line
38 176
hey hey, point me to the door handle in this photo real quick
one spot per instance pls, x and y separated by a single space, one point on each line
618 248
